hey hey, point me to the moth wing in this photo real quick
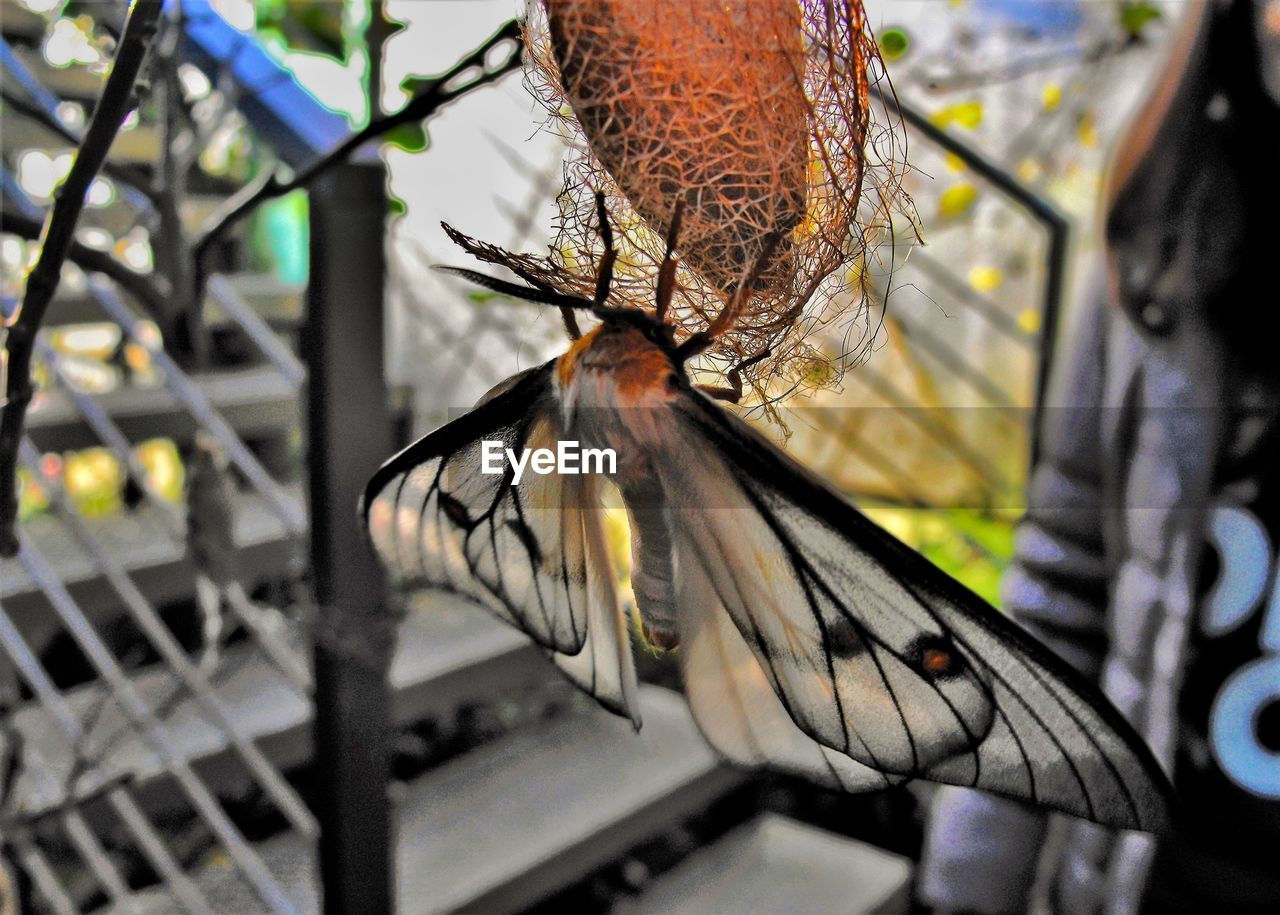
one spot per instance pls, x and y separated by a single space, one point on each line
605 667
734 704
436 520
532 553
876 653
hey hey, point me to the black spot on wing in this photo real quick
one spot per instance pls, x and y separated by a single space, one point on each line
935 658
1025 675
454 510
844 640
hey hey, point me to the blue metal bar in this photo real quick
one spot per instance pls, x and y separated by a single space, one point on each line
26 79
47 102
295 123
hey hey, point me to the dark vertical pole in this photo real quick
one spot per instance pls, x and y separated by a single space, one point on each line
1055 284
349 434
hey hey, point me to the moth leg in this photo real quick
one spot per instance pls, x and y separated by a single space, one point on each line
733 393
738 299
570 323
667 272
605 276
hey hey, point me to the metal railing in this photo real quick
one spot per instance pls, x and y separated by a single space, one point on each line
94 818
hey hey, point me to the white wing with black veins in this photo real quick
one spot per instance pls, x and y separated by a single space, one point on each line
534 554
874 654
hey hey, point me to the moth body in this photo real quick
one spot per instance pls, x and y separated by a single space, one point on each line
616 388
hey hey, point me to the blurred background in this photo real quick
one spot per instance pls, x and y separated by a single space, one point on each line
158 713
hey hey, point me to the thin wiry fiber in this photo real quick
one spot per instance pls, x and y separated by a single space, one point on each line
757 113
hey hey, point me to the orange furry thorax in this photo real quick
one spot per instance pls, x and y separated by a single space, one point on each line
618 357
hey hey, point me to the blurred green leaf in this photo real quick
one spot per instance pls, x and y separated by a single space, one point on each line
969 545
411 137
305 25
894 43
1136 15
993 532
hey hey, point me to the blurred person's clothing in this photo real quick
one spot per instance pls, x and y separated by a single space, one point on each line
1227 763
1154 492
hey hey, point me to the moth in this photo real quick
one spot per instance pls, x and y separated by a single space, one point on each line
809 638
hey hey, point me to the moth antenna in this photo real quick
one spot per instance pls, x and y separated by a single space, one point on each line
728 316
667 272
692 345
516 291
605 276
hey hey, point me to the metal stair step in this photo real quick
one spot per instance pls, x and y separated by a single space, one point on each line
447 653
511 822
72 83
17 21
775 864
139 145
279 303
258 402
144 546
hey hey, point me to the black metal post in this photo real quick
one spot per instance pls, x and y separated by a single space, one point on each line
349 434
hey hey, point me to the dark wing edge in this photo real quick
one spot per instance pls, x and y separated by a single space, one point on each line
572 610
505 407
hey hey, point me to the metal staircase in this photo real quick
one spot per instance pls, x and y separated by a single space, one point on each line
144 781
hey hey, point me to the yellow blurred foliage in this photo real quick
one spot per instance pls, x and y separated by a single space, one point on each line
160 458
986 279
1051 96
962 114
957 199
94 481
